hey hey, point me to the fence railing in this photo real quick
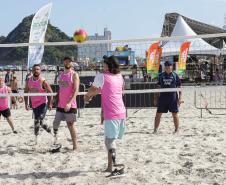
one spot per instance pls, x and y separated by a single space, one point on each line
210 99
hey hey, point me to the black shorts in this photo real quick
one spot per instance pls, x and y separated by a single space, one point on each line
40 111
5 113
165 105
13 100
72 110
14 91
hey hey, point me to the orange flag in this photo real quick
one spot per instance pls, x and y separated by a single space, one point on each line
153 58
183 58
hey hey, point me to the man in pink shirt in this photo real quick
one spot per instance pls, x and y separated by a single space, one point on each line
110 84
37 84
4 104
67 106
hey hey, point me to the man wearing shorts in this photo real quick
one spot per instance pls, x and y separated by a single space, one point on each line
67 106
168 101
4 104
37 84
110 83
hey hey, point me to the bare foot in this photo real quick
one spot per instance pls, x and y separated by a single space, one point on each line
155 131
176 132
75 147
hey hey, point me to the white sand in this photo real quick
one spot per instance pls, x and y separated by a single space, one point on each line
197 155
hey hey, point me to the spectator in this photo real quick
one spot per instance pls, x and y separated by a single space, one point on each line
29 74
7 78
134 76
218 77
14 88
12 75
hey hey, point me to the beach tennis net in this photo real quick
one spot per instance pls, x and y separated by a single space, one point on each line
205 59
197 97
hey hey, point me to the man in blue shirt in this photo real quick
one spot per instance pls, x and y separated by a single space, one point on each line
168 101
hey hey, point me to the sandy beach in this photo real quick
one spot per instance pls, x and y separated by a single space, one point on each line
124 51
197 155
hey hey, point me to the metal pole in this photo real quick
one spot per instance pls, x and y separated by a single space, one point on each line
22 77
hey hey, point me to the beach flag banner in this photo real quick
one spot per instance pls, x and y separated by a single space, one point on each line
37 35
153 57
183 58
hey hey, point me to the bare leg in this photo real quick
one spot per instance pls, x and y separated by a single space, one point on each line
13 106
157 121
73 135
9 120
176 121
102 117
110 146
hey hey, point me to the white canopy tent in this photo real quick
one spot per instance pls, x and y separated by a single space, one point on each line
198 45
223 50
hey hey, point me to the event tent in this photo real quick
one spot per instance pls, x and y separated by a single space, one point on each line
223 50
198 45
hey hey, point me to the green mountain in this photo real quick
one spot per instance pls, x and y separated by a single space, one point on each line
2 38
52 54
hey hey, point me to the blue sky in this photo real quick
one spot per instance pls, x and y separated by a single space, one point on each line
125 18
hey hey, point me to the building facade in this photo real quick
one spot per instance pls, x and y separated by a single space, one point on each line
94 52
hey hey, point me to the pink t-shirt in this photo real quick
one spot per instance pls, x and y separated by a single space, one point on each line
66 90
35 86
111 95
4 101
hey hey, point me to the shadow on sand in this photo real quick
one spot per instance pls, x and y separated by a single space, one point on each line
43 175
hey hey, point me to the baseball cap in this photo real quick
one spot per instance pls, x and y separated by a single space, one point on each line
168 63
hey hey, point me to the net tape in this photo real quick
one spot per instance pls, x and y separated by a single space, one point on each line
91 42
187 89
